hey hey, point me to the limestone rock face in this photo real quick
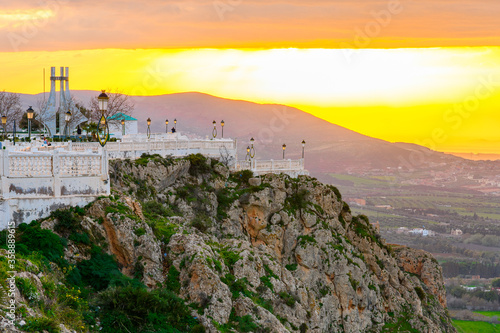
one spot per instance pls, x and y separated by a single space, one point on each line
283 254
423 265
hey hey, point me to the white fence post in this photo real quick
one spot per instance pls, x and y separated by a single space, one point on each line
5 173
56 173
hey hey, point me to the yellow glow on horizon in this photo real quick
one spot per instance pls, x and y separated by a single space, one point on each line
17 17
392 94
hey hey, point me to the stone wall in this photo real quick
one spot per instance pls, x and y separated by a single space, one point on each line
34 183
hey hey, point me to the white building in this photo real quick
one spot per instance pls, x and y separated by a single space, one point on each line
117 130
423 232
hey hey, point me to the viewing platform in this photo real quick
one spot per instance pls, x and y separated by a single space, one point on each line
36 179
293 168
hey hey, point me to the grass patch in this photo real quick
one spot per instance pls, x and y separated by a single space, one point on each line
465 326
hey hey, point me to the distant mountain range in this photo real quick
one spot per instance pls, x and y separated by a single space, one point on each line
329 147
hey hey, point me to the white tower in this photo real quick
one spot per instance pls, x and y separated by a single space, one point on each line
65 103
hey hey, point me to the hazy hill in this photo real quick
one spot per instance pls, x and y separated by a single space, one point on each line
329 148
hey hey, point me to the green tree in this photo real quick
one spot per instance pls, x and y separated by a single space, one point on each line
35 124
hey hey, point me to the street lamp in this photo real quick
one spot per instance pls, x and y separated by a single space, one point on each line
166 126
149 128
222 125
248 153
29 114
252 149
123 126
284 147
102 125
4 125
175 124
67 118
303 146
214 131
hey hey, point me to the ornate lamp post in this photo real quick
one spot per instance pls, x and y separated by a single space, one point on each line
252 149
214 131
284 147
303 146
102 125
123 126
222 125
67 118
29 113
166 126
175 124
4 125
149 128
248 153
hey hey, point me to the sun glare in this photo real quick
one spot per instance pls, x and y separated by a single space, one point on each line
393 94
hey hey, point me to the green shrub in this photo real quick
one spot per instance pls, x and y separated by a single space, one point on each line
420 292
145 158
297 200
172 282
66 221
154 209
269 272
138 270
101 271
246 324
266 281
224 201
362 227
230 257
242 177
289 300
40 324
27 289
336 191
82 238
198 164
324 291
236 287
354 282
132 309
292 267
303 240
41 240
201 222
139 232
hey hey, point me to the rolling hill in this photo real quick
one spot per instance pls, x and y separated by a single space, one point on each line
329 148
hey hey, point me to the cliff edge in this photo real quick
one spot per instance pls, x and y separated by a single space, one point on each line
267 254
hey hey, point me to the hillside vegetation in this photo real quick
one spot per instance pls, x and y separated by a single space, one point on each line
183 245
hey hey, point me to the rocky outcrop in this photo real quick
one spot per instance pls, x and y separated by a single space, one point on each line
425 267
267 254
285 254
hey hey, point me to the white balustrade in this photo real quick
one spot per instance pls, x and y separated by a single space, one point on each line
259 167
48 164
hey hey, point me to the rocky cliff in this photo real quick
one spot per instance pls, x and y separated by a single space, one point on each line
268 254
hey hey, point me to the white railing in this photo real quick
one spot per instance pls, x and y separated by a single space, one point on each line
134 149
49 164
291 167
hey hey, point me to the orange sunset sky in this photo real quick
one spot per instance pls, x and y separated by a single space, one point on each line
422 71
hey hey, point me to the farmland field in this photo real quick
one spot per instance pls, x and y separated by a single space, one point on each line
489 313
464 326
